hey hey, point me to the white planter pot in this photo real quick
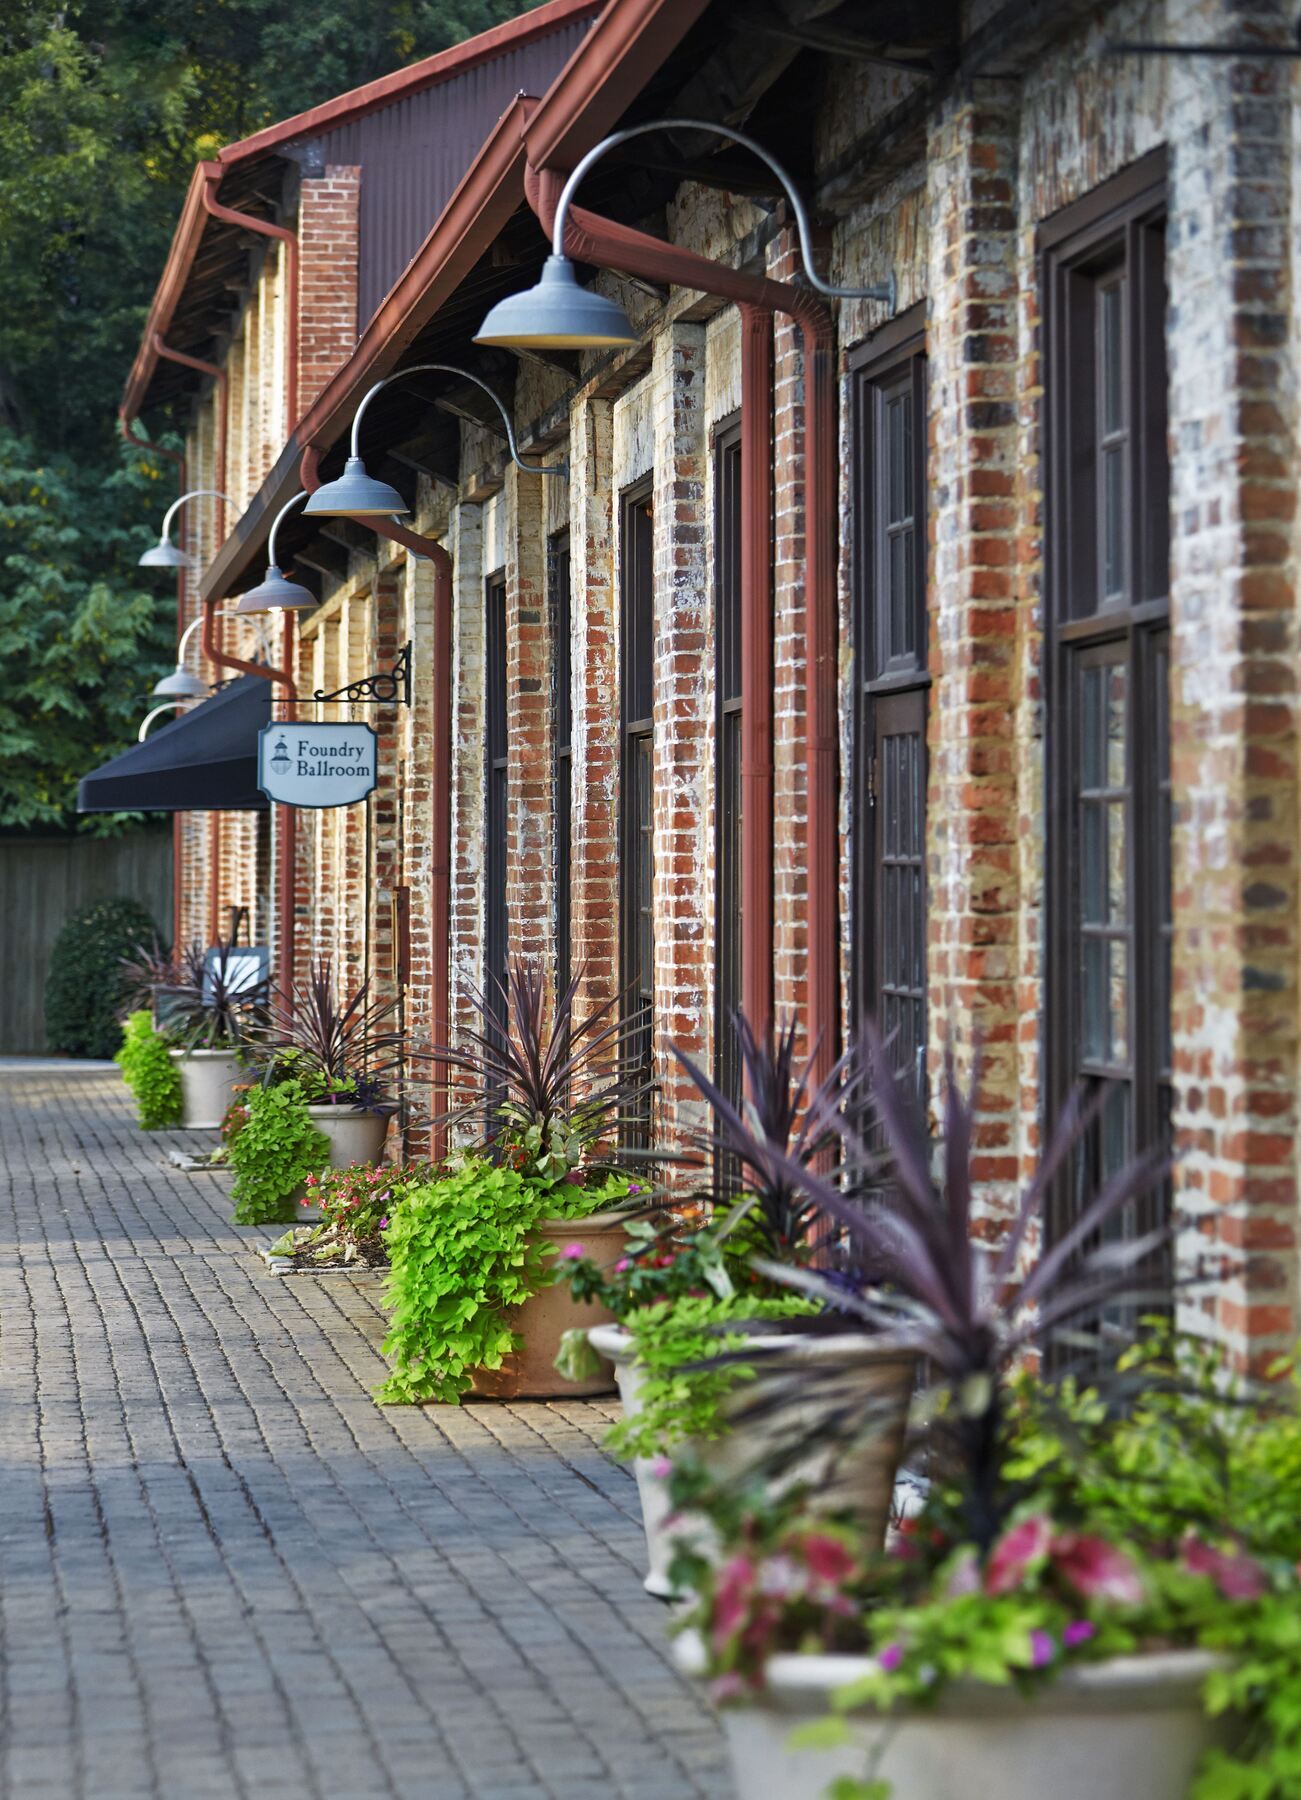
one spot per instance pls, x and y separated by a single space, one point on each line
861 1479
208 1082
355 1137
1131 1728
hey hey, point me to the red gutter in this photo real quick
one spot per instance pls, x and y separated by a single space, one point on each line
440 900
171 285
286 821
592 239
264 228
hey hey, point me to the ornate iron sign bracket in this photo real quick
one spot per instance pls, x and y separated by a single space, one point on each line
387 688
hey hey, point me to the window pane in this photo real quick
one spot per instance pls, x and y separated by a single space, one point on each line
1113 522
1111 358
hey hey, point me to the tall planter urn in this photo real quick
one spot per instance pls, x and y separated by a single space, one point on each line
529 1373
1130 1728
208 1082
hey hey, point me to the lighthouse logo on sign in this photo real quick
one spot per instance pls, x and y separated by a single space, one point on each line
316 765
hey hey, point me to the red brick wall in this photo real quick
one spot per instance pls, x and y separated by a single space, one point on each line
327 302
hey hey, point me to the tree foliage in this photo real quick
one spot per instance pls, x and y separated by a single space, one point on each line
108 104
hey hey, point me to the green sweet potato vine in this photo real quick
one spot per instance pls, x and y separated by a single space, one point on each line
149 1072
273 1153
462 1250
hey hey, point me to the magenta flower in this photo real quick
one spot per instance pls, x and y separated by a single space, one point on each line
622 1264
1018 1551
827 1558
383 1224
661 1468
1078 1632
1096 1569
573 1253
890 1658
1237 1575
1042 1649
732 1598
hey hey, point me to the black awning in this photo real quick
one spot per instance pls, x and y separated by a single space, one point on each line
203 761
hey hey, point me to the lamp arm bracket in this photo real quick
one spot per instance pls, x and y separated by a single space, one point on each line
886 291
194 494
561 468
288 507
153 713
391 687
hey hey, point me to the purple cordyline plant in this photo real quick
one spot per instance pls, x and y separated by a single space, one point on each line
350 1048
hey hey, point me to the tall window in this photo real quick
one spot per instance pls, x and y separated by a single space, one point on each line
889 393
1108 917
636 825
562 720
727 837
495 778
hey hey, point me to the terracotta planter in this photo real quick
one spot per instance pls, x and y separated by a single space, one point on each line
208 1082
1131 1728
528 1373
862 1479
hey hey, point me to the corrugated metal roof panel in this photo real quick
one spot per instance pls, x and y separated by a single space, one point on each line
413 152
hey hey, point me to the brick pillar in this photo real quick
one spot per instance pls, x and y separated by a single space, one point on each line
354 652
682 713
594 884
468 774
328 246
382 876
417 775
1233 423
530 922
976 623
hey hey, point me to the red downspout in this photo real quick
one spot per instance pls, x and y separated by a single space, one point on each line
590 238
285 898
178 457
223 415
289 239
440 905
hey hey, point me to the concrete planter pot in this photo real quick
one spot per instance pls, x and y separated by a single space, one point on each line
355 1137
1117 1730
208 1082
529 1373
862 1480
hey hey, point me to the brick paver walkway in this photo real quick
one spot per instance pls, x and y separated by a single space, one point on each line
225 1571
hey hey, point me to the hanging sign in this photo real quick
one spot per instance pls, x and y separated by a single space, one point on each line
316 765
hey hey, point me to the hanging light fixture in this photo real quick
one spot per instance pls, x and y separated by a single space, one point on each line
275 592
181 684
558 314
357 495
165 554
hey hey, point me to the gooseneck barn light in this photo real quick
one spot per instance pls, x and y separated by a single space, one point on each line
558 314
181 686
155 713
357 495
165 554
275 592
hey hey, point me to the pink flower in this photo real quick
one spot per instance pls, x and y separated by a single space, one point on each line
1078 1632
890 1658
1042 1649
732 1598
1237 1575
1017 1552
573 1253
964 1577
383 1224
827 1558
661 1468
1096 1569
622 1264
726 1687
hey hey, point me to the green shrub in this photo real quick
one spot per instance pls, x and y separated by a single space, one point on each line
273 1153
87 985
462 1251
148 1070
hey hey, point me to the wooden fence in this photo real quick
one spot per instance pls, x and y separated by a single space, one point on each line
43 881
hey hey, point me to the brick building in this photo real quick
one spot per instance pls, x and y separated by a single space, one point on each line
932 660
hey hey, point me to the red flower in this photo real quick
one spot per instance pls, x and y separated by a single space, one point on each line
827 1558
1096 1570
1018 1551
1237 1575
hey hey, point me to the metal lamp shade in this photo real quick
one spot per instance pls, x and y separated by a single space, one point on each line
166 555
275 592
557 314
356 495
180 686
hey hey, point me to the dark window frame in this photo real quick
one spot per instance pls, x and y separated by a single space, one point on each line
728 686
636 793
560 597
496 815
891 683
1114 236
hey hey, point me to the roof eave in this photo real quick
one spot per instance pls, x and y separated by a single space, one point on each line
171 285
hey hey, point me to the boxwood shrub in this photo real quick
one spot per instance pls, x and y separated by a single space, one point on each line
86 985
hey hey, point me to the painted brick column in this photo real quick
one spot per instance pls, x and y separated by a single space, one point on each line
354 651
382 875
530 920
976 620
328 246
1233 417
468 775
416 776
594 917
683 721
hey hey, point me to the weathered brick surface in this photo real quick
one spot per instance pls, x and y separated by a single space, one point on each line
224 1571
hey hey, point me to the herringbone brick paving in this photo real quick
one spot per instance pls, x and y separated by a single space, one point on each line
225 1571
